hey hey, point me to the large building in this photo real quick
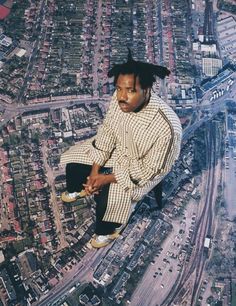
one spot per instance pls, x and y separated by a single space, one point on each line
211 66
209 48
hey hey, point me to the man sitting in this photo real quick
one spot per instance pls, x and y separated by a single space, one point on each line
134 149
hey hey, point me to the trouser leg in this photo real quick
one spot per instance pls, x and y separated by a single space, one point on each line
103 227
76 175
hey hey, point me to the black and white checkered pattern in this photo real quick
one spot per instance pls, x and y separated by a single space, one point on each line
140 147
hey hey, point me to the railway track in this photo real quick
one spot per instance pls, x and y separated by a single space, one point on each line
203 226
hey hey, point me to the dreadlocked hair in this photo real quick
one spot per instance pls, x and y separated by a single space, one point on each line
146 72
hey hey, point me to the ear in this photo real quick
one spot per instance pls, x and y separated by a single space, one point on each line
147 92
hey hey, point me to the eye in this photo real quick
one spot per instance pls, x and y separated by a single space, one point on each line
131 90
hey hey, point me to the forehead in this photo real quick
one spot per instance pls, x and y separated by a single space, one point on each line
127 80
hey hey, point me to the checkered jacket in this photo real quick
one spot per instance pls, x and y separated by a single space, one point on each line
140 147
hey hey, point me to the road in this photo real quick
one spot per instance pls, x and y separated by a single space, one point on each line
53 200
12 110
97 58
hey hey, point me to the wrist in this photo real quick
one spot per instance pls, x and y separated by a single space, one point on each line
95 169
110 178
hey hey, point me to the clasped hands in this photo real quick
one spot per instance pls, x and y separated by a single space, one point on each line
96 180
94 183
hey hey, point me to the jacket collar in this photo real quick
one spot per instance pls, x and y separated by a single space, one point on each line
146 115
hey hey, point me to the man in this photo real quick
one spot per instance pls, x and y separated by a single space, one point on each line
134 149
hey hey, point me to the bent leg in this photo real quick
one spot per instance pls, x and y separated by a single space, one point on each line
158 195
103 227
76 175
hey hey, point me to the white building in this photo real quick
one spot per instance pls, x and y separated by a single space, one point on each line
5 40
211 66
209 48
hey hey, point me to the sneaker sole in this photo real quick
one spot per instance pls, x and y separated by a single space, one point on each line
98 245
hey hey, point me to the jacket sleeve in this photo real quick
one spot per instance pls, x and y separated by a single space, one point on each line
157 162
105 139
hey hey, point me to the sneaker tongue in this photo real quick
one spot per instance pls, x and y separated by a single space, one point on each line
72 195
102 238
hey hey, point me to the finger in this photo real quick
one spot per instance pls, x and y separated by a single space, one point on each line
87 189
86 185
89 192
89 186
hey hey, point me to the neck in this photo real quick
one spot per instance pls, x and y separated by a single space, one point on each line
142 106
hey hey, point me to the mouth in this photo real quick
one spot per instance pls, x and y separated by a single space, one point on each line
123 105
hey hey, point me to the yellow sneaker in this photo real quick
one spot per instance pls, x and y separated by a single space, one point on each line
100 241
72 197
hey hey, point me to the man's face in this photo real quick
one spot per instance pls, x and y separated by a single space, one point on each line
129 97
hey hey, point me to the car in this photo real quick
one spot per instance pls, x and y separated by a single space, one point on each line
162 285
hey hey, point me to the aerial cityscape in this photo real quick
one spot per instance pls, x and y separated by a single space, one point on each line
54 93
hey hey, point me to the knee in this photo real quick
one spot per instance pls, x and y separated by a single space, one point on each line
70 166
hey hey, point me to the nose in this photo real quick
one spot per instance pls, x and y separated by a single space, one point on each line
122 95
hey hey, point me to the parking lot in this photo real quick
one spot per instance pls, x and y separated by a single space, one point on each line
164 270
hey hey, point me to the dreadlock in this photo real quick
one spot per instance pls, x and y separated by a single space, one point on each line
145 71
